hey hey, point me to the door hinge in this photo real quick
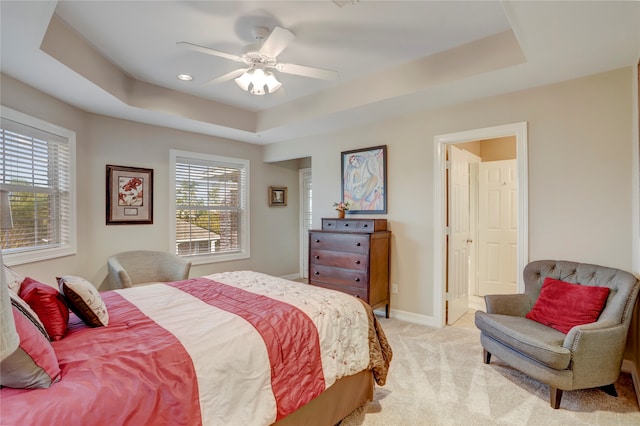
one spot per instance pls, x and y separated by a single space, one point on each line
447 164
447 230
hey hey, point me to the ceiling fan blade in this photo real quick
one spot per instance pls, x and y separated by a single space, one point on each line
226 77
277 41
208 51
307 71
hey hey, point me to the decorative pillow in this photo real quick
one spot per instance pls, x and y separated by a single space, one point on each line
33 364
84 299
14 280
26 310
49 304
563 305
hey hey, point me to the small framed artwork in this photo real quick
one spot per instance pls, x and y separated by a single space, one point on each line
364 180
129 198
277 196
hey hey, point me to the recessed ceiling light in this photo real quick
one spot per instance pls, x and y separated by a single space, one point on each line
185 77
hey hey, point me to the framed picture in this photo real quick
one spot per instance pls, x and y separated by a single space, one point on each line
277 196
129 195
364 180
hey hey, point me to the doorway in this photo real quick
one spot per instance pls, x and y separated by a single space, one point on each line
442 143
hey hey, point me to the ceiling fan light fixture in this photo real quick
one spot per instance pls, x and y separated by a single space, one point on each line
272 83
258 78
257 90
256 81
244 80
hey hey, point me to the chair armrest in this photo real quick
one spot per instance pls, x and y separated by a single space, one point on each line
601 333
174 270
516 305
118 276
597 350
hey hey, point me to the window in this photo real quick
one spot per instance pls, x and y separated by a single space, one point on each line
37 162
209 195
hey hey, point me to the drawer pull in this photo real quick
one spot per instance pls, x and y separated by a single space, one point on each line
316 256
346 224
357 262
316 273
357 244
357 279
365 225
317 241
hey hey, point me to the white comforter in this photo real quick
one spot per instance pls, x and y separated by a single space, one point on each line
229 355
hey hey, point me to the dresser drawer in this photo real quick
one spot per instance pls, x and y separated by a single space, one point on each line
354 225
349 243
358 261
338 276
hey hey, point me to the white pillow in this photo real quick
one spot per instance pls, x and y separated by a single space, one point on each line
84 300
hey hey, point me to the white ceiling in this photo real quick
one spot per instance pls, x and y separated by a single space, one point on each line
393 57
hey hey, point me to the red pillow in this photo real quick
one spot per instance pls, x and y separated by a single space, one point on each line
563 305
48 304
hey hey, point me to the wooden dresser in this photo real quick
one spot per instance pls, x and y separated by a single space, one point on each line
352 256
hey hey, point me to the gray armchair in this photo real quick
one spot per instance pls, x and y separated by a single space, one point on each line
588 356
139 267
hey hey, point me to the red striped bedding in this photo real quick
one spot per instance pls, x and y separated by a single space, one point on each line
232 348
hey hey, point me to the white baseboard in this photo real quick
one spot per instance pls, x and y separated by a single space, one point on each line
291 277
630 368
411 317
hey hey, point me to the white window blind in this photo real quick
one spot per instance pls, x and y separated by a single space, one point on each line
36 162
211 207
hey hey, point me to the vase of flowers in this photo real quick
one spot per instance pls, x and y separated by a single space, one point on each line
341 208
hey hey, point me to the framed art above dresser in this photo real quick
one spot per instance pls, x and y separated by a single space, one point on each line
352 256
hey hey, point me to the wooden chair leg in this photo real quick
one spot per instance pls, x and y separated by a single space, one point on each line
555 397
486 356
609 390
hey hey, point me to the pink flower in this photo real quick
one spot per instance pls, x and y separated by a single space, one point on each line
341 206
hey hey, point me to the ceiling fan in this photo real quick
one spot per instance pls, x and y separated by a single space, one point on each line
257 77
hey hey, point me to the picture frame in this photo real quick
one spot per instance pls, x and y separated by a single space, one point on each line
364 180
277 196
129 195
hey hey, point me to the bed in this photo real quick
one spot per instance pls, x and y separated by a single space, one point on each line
234 348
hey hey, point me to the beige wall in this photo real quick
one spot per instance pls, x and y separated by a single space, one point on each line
579 147
495 149
102 140
498 149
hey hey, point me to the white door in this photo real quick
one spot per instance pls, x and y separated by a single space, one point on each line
498 227
305 220
459 239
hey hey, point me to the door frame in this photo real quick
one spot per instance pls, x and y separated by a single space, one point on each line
519 130
304 243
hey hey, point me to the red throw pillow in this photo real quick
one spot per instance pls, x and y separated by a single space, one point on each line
48 304
563 305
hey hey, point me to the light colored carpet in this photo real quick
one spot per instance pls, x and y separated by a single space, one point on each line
437 378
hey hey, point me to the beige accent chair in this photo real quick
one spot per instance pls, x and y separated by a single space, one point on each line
588 356
139 267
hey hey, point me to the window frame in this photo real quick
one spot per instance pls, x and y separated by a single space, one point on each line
244 237
35 254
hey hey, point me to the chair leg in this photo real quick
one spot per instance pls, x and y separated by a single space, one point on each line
609 389
486 356
555 397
